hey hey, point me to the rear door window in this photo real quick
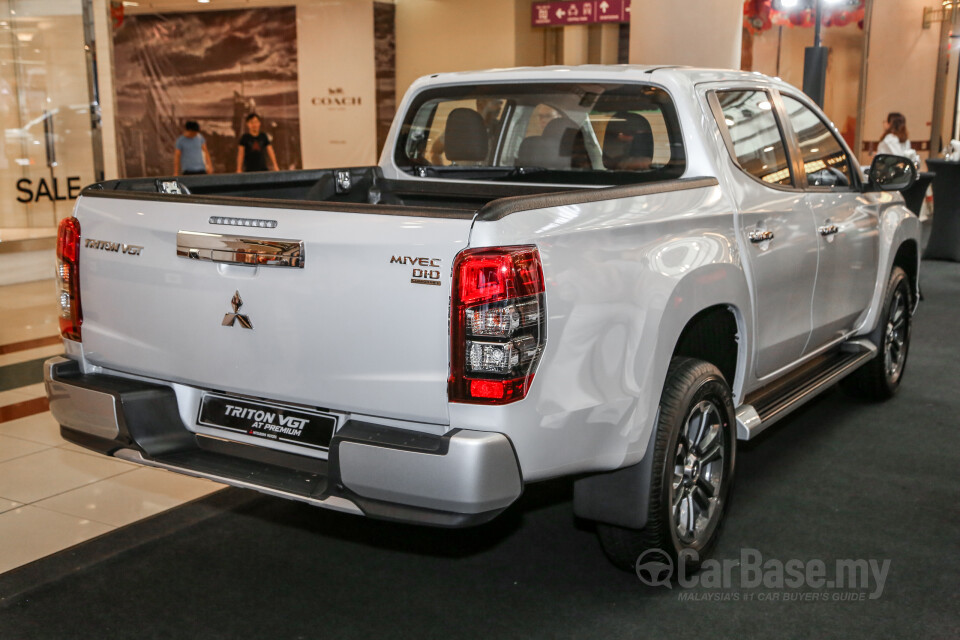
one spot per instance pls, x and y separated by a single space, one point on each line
754 135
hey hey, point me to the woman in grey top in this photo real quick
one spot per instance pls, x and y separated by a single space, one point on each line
191 156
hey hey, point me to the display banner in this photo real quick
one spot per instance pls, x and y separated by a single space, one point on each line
213 67
338 114
559 14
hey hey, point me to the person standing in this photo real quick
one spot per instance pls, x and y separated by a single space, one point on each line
254 150
191 156
896 141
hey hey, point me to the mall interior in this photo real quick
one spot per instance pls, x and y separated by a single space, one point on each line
94 91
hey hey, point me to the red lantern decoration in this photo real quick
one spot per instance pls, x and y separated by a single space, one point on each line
116 13
756 15
759 15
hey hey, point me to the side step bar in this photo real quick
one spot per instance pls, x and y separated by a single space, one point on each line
765 406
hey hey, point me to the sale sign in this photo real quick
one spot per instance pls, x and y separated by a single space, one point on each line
560 14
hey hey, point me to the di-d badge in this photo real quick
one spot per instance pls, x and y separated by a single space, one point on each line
230 318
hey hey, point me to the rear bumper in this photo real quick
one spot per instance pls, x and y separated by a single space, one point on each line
459 479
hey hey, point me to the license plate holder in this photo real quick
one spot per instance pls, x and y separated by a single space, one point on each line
269 421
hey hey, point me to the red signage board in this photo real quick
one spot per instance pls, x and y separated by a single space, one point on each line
559 14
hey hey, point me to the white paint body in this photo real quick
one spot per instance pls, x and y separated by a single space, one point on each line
350 334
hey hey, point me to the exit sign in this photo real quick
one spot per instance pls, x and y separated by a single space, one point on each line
560 14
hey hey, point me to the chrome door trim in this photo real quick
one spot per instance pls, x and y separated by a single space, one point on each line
828 229
245 250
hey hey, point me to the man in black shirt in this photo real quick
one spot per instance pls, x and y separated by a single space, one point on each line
255 148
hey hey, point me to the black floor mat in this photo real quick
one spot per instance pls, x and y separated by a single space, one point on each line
839 480
21 374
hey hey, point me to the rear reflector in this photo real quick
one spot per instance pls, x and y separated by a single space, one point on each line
499 391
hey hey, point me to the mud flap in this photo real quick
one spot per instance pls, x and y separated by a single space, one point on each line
620 497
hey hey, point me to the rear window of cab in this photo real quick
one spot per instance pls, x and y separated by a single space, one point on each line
571 133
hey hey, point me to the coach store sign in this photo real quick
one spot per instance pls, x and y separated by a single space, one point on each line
338 118
336 98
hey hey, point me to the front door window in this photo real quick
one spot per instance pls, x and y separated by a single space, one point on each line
824 159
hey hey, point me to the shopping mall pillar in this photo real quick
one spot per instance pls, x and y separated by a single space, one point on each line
702 33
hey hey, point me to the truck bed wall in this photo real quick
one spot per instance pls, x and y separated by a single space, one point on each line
367 186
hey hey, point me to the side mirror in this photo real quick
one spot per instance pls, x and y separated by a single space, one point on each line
891 173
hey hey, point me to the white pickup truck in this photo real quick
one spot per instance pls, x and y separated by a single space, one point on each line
611 273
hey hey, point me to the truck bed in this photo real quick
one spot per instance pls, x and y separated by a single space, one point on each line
313 187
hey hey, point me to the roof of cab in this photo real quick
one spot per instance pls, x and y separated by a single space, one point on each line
678 75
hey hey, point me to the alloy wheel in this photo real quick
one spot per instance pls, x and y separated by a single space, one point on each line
698 474
895 336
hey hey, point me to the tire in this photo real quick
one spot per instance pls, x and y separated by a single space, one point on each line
880 378
693 388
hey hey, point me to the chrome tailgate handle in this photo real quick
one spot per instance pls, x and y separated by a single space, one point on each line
248 250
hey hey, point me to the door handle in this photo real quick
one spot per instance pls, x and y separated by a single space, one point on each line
757 236
828 229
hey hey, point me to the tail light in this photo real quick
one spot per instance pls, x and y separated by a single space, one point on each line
68 278
497 324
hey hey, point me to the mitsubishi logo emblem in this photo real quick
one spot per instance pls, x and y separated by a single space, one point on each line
230 318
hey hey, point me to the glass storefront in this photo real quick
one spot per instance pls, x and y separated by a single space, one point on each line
47 149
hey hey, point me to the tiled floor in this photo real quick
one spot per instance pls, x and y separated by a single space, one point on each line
54 494
28 311
27 233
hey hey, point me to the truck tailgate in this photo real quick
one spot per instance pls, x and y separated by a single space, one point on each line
360 326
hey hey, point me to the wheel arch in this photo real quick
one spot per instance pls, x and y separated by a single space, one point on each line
709 318
713 335
710 294
907 258
899 246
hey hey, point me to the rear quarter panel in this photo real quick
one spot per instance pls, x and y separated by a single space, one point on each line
623 277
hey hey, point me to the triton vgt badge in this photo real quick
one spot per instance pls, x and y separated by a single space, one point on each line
236 316
116 247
